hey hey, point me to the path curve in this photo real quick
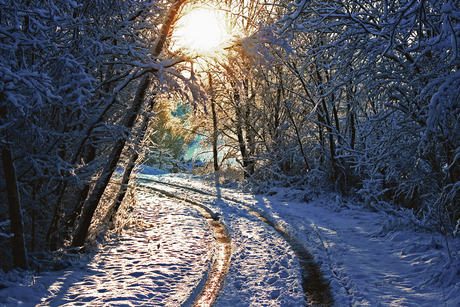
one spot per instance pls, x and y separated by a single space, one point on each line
315 287
221 259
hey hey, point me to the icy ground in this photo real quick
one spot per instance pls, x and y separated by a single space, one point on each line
368 258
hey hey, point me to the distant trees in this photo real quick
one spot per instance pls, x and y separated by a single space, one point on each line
168 134
232 117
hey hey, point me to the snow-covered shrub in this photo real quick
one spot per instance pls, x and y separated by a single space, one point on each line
162 159
105 224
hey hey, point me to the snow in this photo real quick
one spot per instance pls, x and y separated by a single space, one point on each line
369 258
148 170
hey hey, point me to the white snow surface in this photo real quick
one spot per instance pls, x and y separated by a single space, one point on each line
369 258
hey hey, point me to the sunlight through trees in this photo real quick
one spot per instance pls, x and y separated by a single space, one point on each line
355 96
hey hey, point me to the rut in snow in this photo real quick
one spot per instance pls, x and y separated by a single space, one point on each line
315 287
221 259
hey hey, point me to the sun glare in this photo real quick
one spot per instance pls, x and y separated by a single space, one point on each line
200 30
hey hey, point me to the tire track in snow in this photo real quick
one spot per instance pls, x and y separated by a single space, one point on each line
315 287
207 295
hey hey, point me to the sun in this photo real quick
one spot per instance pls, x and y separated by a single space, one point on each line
200 30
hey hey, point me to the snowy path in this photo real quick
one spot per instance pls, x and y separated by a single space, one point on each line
368 258
367 270
311 279
262 272
160 265
206 294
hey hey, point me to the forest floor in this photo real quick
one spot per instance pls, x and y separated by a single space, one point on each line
367 257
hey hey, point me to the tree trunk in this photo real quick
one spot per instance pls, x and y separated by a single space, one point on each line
92 202
239 132
52 236
291 117
215 133
129 167
123 187
81 195
250 138
14 207
351 119
329 129
214 136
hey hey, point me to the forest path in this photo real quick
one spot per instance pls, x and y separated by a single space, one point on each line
313 283
368 258
263 272
165 259
158 262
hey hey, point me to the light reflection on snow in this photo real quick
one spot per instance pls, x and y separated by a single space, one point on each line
267 203
139 270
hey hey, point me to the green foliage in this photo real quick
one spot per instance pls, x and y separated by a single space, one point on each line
169 136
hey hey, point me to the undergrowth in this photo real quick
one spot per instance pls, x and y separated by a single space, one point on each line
104 227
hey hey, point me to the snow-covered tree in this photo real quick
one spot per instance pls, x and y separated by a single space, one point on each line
383 79
68 81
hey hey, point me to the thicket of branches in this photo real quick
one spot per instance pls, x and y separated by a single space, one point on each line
380 83
78 81
361 95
